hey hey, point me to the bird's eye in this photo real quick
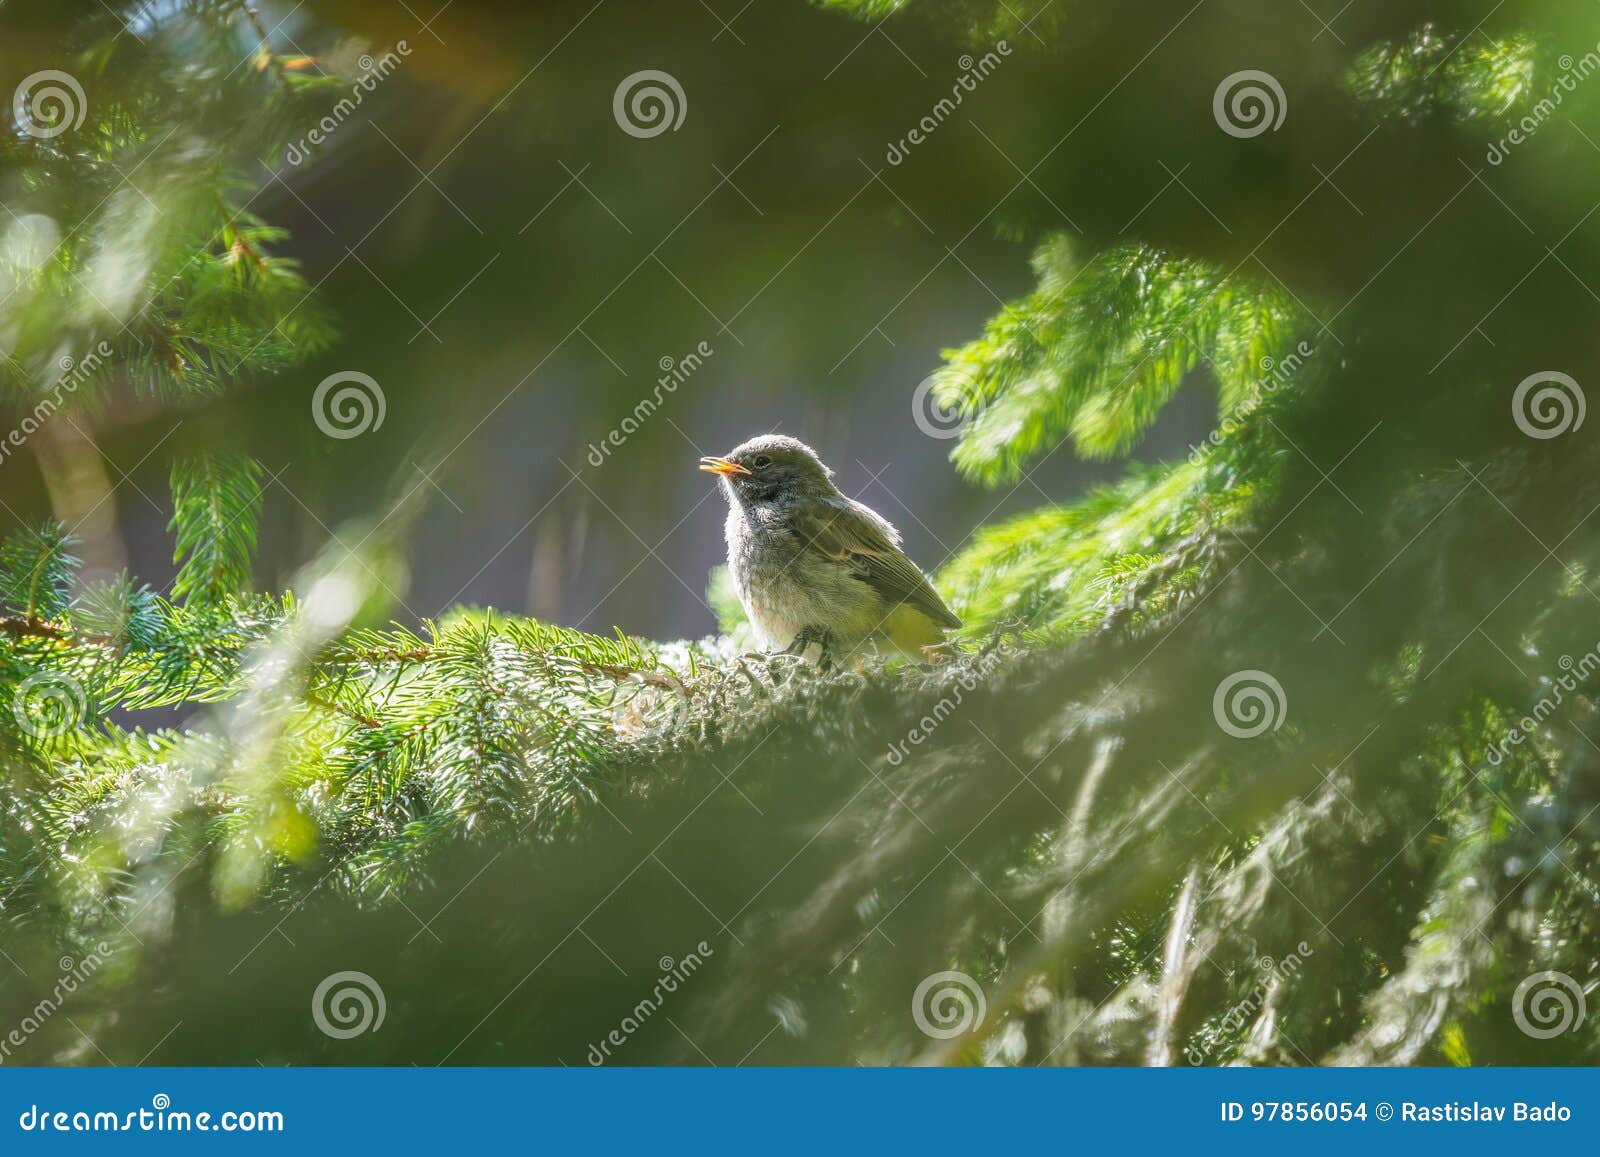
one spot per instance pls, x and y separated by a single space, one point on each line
761 461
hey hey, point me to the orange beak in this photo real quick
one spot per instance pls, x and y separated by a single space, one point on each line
713 465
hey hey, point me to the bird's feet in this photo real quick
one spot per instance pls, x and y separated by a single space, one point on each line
808 635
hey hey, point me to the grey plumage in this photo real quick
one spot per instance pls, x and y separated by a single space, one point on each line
812 565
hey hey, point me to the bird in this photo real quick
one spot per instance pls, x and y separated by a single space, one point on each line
812 566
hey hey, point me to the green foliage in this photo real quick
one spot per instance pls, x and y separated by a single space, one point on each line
1135 548
866 9
1093 355
385 745
216 502
1431 73
35 571
129 231
1100 347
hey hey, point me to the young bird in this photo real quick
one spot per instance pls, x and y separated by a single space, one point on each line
812 566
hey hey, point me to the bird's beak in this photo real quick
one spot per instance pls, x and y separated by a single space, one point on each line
714 465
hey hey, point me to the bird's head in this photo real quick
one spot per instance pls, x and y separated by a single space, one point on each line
769 467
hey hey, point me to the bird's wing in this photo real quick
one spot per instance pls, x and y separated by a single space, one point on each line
846 530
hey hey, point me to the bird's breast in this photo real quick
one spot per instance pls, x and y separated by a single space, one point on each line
786 587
